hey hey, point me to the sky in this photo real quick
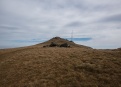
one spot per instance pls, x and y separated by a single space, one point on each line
95 23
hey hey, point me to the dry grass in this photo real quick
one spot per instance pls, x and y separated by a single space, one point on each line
35 66
60 67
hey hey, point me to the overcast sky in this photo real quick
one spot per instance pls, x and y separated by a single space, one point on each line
27 22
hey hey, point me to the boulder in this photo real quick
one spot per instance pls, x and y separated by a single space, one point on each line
53 44
65 45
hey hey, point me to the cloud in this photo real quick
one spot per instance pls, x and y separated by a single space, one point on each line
23 20
74 24
113 18
7 27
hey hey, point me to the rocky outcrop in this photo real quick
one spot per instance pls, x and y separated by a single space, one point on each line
61 42
65 45
53 44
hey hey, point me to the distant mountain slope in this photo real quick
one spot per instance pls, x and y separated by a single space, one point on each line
60 41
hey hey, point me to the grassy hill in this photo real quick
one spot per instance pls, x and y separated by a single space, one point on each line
60 41
77 66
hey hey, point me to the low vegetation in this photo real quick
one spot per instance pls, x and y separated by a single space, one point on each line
36 66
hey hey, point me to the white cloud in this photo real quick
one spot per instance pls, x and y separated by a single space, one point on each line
28 19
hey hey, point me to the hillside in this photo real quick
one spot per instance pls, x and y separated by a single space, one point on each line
77 66
60 41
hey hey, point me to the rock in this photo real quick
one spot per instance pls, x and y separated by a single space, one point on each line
53 44
65 45
45 46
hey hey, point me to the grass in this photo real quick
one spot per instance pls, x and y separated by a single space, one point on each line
59 67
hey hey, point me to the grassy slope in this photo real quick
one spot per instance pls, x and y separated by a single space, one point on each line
59 67
60 41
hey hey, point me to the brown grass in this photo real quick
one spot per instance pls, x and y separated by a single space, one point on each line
59 67
35 66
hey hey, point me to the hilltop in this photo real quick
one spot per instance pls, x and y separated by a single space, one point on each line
76 66
60 41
